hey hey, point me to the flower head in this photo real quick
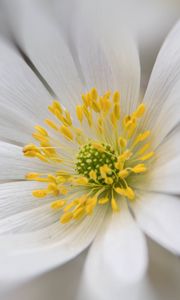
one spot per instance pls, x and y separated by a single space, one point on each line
96 160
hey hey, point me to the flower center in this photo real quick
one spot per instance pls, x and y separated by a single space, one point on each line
97 163
92 164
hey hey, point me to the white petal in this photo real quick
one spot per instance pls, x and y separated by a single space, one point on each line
162 96
118 257
43 43
109 59
159 217
164 174
23 98
29 254
15 166
16 197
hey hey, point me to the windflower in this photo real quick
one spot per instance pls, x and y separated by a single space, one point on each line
94 165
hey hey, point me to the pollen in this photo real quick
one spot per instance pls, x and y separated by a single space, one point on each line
92 164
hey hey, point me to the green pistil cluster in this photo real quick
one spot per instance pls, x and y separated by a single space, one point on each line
90 159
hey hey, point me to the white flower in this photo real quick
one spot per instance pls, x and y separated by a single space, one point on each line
115 127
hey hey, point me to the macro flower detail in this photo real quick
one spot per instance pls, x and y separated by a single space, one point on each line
88 159
106 157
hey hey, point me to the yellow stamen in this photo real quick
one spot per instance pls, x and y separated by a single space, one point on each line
66 132
66 217
139 168
147 156
114 205
98 163
58 204
39 193
79 113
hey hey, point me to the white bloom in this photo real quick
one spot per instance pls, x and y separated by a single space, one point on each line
30 228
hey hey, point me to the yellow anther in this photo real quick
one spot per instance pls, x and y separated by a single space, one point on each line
39 193
69 206
98 147
117 111
114 205
51 124
89 209
58 204
86 100
120 191
103 200
66 217
79 113
146 156
145 135
30 153
30 147
139 111
31 176
41 130
81 181
140 168
113 119
53 188
66 132
125 156
52 178
143 149
68 118
96 106
123 173
129 193
61 179
94 94
63 190
104 170
78 213
92 201
116 97
105 104
40 137
41 157
122 142
57 106
87 114
108 180
141 137
93 175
